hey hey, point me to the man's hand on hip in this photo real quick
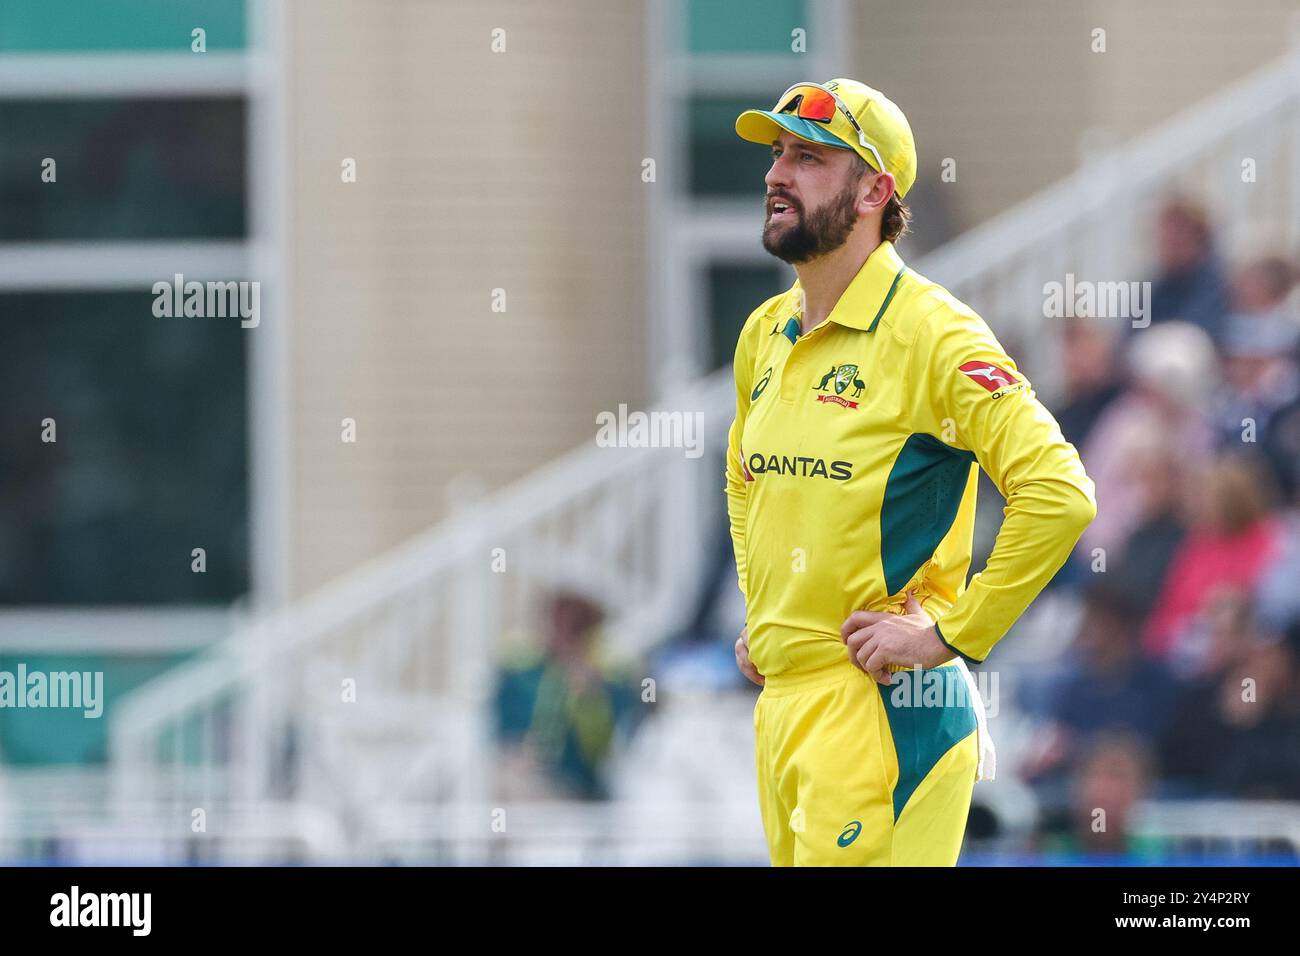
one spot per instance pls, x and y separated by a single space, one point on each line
742 658
876 639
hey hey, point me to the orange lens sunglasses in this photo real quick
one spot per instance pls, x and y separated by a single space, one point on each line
812 101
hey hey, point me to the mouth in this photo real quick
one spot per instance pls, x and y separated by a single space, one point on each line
778 210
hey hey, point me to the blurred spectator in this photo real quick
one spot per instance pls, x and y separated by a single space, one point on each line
1191 286
1235 729
1262 349
1277 604
1091 371
1232 539
1144 562
1260 374
1116 774
1280 445
558 714
1108 684
1262 286
1172 369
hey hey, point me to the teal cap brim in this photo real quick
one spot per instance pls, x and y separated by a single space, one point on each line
763 126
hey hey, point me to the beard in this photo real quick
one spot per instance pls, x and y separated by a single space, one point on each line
824 230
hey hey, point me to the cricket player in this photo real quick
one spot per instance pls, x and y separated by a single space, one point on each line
866 399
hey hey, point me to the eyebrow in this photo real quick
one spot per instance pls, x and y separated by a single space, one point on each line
801 143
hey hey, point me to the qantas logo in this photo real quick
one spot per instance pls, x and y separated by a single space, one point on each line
801 467
990 376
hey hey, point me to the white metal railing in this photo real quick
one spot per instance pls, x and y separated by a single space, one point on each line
1243 825
261 717
723 831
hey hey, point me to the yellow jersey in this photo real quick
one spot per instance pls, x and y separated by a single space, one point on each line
852 464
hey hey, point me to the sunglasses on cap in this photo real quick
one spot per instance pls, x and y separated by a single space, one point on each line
812 101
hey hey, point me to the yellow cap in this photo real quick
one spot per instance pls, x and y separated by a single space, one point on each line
883 126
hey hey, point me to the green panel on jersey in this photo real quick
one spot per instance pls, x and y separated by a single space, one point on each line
922 495
926 721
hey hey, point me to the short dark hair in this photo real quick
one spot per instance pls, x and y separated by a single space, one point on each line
897 216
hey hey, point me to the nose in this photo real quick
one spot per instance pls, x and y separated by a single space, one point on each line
778 175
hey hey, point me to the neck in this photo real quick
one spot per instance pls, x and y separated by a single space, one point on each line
824 279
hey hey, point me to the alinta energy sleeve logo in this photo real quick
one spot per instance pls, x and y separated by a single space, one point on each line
76 908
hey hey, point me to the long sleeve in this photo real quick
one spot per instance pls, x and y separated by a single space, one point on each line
979 401
736 484
944 576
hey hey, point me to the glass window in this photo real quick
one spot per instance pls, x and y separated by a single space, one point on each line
736 290
745 26
58 735
86 25
151 459
126 169
721 163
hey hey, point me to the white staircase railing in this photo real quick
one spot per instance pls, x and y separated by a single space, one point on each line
261 717
412 638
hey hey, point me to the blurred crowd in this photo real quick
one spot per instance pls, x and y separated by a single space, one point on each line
1183 678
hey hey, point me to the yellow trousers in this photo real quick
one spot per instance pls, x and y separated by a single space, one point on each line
856 773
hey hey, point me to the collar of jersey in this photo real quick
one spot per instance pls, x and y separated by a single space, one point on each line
868 296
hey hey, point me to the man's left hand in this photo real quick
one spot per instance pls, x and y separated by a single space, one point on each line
877 639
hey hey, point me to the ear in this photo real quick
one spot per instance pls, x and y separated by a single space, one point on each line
882 187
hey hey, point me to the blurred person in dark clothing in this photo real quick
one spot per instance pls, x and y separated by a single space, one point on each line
1108 684
558 714
1093 378
1191 286
1268 293
1147 555
1277 599
1092 373
1236 727
1260 376
1280 445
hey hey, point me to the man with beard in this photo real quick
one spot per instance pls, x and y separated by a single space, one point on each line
866 397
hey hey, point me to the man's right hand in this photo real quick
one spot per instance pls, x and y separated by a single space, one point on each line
742 658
